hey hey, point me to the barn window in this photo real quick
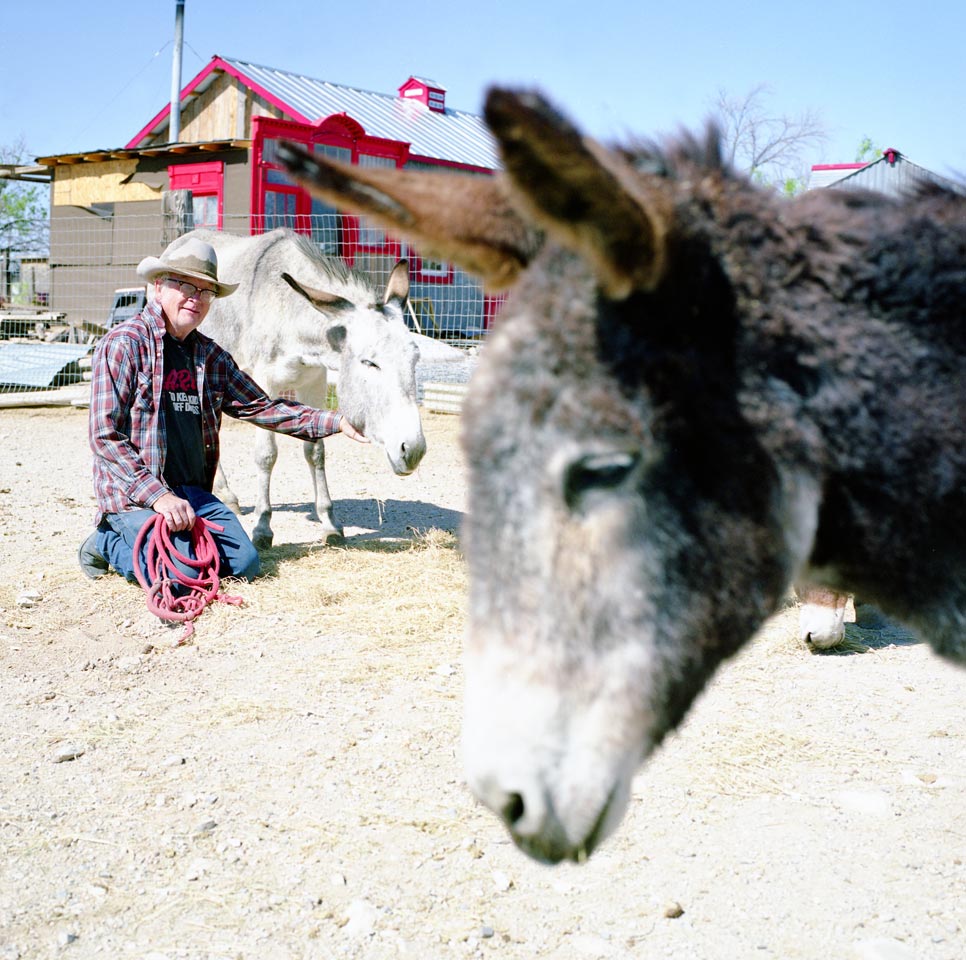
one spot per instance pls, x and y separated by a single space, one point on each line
204 211
431 270
428 269
372 238
281 209
325 221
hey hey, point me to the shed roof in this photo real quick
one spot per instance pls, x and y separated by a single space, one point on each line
453 135
893 174
32 173
162 151
825 174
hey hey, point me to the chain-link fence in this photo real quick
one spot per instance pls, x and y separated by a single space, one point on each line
89 281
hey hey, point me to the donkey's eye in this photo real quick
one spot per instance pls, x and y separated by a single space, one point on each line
370 363
597 471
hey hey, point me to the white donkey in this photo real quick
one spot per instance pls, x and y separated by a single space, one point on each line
298 314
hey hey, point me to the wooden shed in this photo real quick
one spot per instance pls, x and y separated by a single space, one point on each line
111 207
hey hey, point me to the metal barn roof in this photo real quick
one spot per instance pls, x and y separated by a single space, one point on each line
893 174
453 135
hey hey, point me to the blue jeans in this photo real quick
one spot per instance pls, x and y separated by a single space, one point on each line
118 532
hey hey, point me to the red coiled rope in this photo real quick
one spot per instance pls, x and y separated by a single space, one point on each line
161 577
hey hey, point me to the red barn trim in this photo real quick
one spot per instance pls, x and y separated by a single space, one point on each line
838 166
201 82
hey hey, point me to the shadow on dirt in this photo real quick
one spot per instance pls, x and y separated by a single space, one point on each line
385 518
872 630
388 527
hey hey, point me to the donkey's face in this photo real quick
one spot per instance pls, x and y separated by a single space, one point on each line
627 527
377 366
618 551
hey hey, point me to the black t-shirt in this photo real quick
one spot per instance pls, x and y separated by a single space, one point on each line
184 462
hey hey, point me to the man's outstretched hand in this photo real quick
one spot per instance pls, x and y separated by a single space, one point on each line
351 432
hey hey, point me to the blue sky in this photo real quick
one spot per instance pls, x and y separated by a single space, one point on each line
76 76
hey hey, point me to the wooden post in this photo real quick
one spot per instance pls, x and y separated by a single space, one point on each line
4 275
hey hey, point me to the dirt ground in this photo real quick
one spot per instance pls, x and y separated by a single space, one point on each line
289 784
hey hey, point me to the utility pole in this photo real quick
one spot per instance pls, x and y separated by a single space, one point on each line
174 123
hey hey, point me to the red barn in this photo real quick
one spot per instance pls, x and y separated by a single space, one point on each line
111 207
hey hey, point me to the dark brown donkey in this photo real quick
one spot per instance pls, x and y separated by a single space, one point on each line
698 392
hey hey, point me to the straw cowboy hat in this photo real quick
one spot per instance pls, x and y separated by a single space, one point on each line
194 259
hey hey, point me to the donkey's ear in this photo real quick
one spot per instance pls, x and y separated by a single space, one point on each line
588 198
468 220
320 299
397 288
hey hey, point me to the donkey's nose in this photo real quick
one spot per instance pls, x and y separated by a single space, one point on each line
412 452
529 816
524 809
512 810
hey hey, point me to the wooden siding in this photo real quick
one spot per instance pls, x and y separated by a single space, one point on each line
83 184
222 112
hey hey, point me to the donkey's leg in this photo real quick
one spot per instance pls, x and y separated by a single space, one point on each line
315 458
224 493
266 453
314 394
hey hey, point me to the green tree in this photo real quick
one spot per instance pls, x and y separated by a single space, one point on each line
23 206
866 152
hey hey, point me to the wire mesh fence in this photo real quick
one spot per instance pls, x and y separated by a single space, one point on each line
89 282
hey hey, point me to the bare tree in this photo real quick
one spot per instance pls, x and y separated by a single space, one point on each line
770 146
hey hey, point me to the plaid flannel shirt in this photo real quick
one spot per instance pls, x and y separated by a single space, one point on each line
126 425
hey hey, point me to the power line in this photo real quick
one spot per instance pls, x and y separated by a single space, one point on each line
157 53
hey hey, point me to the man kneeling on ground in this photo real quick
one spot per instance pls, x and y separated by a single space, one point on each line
159 388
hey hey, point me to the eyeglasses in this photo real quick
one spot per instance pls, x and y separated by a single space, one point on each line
190 292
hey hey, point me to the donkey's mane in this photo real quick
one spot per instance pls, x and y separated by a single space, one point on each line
334 267
681 153
677 157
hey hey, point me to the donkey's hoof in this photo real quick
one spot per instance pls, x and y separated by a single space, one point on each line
263 541
331 531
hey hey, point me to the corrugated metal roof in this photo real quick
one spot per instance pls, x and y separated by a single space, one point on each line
895 177
40 364
453 135
824 175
